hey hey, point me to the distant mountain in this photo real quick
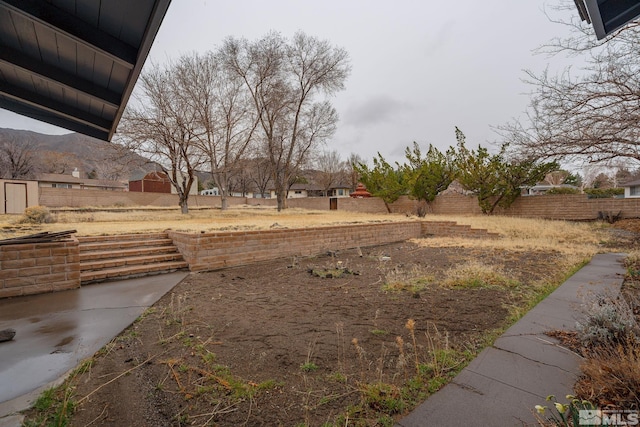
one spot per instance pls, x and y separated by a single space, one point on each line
95 157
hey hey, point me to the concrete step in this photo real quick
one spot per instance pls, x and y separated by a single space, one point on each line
121 237
100 255
87 277
129 260
129 255
122 244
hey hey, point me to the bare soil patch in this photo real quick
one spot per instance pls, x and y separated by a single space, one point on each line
356 337
275 344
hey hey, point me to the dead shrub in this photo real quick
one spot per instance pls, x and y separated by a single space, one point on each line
612 376
37 215
610 336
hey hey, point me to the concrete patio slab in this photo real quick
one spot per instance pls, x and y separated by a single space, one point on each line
56 331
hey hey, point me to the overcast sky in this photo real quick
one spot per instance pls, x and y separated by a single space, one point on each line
420 68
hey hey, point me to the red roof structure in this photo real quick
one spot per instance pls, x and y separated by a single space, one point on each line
361 192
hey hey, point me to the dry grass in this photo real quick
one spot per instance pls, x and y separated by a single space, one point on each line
117 221
413 279
612 376
475 274
575 240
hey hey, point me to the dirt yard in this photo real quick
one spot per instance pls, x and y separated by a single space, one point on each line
356 337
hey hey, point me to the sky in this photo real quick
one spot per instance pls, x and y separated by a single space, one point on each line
419 68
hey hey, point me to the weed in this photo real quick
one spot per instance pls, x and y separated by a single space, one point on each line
340 344
413 280
337 377
54 407
383 397
208 358
474 274
149 311
309 367
332 270
361 355
45 400
182 419
432 364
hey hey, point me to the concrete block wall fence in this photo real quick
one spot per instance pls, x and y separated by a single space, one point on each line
572 207
569 207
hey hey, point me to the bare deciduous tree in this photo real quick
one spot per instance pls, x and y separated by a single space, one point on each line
57 162
260 174
114 162
352 163
225 119
18 158
331 170
163 128
284 79
592 115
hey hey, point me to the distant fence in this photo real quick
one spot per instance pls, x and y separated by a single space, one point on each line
572 207
576 207
62 197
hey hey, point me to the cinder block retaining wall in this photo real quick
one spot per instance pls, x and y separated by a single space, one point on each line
34 268
211 251
45 267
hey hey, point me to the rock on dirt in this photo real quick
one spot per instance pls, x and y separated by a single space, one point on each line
7 334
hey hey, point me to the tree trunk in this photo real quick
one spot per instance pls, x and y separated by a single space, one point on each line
281 196
184 206
223 202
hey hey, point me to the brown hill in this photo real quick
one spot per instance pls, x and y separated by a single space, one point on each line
94 157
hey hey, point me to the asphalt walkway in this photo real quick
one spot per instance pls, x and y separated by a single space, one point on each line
56 331
503 384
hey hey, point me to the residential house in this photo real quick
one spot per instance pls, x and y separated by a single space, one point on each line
158 182
632 189
540 189
73 181
311 190
214 191
339 190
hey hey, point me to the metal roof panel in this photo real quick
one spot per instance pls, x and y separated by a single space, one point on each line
74 63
